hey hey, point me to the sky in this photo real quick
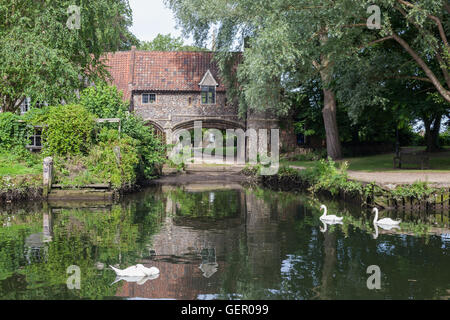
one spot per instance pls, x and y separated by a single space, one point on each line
151 17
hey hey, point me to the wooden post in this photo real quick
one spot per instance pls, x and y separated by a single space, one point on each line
48 176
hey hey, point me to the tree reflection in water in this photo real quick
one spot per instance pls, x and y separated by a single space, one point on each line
214 244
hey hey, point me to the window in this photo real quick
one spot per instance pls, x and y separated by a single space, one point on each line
35 140
190 101
25 106
208 95
148 98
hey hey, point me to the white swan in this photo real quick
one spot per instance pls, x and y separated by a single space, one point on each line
137 271
326 223
330 217
384 221
138 280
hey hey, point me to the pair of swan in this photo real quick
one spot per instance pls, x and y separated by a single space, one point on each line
138 273
385 223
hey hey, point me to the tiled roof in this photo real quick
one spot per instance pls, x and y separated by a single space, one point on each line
161 71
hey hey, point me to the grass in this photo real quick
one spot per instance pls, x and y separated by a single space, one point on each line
438 162
10 165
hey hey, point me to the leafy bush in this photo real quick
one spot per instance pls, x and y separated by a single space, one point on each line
151 149
104 101
444 138
68 131
114 159
12 132
419 190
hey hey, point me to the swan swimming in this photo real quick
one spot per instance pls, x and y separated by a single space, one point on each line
330 217
384 221
139 280
137 271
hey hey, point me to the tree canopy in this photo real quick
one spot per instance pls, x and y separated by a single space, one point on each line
47 50
288 43
167 43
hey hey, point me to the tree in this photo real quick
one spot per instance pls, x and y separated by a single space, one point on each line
167 43
288 42
46 57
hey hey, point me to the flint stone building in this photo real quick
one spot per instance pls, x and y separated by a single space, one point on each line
172 90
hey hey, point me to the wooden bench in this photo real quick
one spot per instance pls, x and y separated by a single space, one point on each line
411 156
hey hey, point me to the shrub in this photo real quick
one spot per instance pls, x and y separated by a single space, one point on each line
114 159
444 138
104 101
68 131
12 132
151 149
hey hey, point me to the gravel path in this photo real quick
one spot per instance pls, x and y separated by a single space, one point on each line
439 179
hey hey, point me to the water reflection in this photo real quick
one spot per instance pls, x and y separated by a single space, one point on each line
214 244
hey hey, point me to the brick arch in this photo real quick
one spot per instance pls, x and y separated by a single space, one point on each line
209 123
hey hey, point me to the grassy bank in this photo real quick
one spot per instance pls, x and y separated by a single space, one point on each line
85 151
329 178
438 162
20 176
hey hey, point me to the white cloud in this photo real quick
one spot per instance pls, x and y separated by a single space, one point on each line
151 17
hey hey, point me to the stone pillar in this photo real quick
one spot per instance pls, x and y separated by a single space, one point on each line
48 176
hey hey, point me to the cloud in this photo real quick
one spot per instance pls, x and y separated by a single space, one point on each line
151 17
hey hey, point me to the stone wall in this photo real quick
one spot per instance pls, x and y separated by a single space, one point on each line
174 107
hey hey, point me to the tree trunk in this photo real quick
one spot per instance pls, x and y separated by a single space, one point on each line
432 129
334 149
329 104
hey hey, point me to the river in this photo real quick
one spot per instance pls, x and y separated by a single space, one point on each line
216 242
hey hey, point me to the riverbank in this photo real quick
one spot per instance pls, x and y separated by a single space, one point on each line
21 188
326 178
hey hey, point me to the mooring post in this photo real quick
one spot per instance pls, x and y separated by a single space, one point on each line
48 176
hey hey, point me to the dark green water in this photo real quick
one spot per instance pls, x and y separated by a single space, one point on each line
217 244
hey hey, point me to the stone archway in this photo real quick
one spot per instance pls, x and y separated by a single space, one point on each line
208 123
157 129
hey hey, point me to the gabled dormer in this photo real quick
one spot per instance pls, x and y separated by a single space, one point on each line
208 87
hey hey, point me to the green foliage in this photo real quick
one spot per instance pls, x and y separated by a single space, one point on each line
12 132
68 131
42 58
419 190
104 101
150 148
167 43
114 159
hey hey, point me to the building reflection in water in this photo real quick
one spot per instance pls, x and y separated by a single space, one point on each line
193 253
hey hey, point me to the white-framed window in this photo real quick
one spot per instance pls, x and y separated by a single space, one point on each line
148 98
208 94
25 106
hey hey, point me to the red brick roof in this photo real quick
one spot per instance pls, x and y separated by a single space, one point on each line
160 71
